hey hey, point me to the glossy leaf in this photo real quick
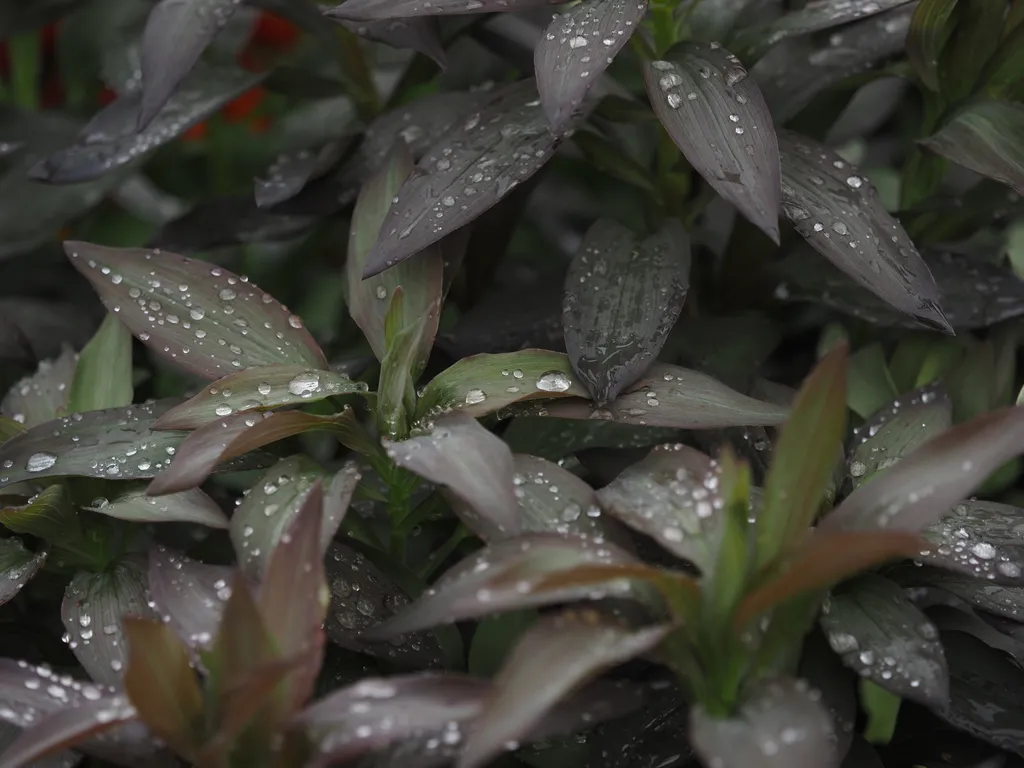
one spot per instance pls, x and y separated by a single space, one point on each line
553 658
103 376
980 538
554 499
883 637
372 10
804 458
621 300
420 278
17 566
465 173
417 34
162 685
985 137
930 28
764 731
189 595
291 171
192 506
42 396
256 389
217 325
924 485
1007 602
475 464
575 50
93 611
843 218
717 117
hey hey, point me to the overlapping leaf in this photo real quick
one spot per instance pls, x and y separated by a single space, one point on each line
982 538
372 10
192 506
189 595
42 396
103 376
717 117
554 499
292 171
929 31
17 566
417 34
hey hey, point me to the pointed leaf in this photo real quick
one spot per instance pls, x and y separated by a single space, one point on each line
554 499
17 566
103 377
467 172
43 395
371 10
575 50
930 28
189 595
839 213
780 724
420 278
986 138
205 319
176 34
256 389
292 171
923 486
162 685
980 538
551 660
396 390
417 34
881 635
475 464
621 300
243 642
192 506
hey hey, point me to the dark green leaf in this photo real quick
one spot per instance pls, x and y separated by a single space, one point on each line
929 30
396 398
103 376
979 538
42 396
49 515
495 638
190 595
870 387
882 709
192 506
977 24
621 300
17 566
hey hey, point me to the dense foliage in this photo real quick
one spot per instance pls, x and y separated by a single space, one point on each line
647 398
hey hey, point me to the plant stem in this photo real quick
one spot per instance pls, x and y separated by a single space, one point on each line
25 51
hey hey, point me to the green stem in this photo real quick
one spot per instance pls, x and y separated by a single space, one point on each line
445 550
25 52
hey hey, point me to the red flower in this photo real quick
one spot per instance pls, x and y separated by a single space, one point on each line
275 32
245 105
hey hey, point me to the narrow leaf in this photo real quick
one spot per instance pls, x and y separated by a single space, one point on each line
292 171
396 390
189 595
621 300
192 506
205 319
103 377
929 31
980 538
419 34
717 117
43 396
372 10
17 566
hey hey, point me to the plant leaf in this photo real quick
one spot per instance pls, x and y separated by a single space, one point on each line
465 173
621 300
420 278
255 389
764 731
575 50
717 117
475 464
162 685
218 324
189 595
103 376
552 659
17 566
191 506
924 485
93 611
930 28
42 396
418 34
844 220
50 515
980 538
292 171
373 10
554 499
396 390
879 634
985 137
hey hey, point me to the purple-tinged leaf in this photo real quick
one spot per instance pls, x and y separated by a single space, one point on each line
483 384
985 137
840 214
673 496
205 319
923 486
415 34
575 50
292 171
66 759
551 660
509 575
554 499
717 117
420 278
93 609
17 566
43 396
476 164
256 389
621 300
471 461
191 506
28 692
883 637
983 539
176 34
189 595
374 10
896 430
781 723
103 376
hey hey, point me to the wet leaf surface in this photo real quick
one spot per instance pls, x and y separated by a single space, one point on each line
17 566
1006 601
192 506
882 636
554 499
43 395
189 595
292 171
621 300
417 34
983 539
370 10
717 117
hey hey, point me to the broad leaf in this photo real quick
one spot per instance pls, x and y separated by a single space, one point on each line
465 173
371 10
1007 602
552 659
103 376
43 396
554 499
882 636
17 566
840 214
93 610
930 28
192 506
475 464
575 50
621 300
923 486
717 117
189 595
980 538
985 137
205 319
780 724
256 389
